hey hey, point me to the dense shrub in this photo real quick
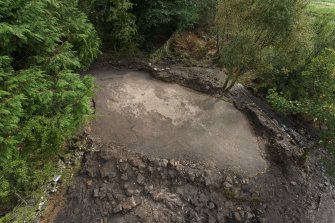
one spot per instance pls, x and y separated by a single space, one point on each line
152 15
324 29
125 23
251 33
113 20
158 20
306 87
313 96
42 100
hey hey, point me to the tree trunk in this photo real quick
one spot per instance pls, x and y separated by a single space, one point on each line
231 80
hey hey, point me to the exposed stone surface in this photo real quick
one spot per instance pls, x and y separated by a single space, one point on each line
170 121
96 193
140 179
326 209
180 191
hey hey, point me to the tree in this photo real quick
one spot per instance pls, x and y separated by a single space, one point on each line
324 29
43 101
143 22
250 31
113 20
157 20
314 96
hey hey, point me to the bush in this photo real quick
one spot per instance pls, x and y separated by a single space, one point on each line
272 30
113 20
315 97
175 14
130 23
306 87
324 29
158 20
42 100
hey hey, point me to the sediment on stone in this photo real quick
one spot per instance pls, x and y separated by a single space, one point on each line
284 147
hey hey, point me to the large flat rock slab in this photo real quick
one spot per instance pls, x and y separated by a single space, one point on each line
326 210
170 121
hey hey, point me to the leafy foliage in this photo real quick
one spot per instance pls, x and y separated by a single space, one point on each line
42 100
324 29
129 22
113 20
251 32
292 56
315 98
307 87
176 13
159 19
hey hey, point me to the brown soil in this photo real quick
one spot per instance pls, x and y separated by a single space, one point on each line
55 204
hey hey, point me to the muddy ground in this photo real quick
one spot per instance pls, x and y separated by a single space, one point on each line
118 184
171 121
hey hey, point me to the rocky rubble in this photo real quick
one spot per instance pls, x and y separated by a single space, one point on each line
112 188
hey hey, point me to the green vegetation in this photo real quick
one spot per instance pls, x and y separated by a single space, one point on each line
320 8
144 23
308 89
288 46
113 20
273 29
42 100
163 17
313 95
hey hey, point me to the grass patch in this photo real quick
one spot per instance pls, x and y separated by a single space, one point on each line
28 209
320 8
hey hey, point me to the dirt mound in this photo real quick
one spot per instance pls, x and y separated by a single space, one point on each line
116 185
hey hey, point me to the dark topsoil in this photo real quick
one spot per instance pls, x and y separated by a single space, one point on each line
118 185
